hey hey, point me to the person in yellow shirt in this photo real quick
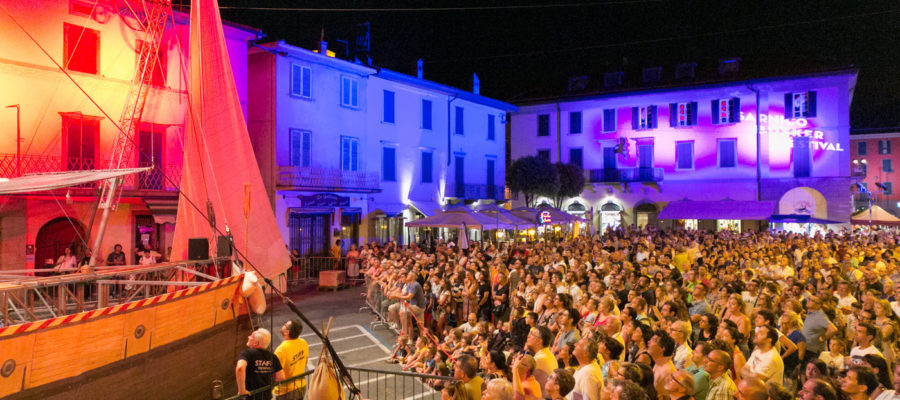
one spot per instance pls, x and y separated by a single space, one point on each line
538 343
293 353
525 387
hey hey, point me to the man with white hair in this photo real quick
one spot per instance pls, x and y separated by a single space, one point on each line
257 367
498 389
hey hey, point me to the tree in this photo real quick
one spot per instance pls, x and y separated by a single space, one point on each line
571 182
533 176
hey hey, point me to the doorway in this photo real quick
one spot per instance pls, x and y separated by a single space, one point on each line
54 237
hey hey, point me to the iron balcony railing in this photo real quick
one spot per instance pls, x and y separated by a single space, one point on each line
333 179
640 174
474 191
155 179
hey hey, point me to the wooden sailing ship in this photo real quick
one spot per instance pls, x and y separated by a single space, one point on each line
178 328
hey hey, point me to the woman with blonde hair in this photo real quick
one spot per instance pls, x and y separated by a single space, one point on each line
734 311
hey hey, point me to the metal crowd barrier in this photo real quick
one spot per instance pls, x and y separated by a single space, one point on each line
377 384
304 271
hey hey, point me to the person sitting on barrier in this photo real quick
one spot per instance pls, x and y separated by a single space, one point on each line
411 303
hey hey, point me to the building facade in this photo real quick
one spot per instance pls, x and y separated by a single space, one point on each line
780 142
873 157
350 151
62 129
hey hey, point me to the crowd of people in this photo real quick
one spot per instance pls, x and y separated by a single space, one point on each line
645 314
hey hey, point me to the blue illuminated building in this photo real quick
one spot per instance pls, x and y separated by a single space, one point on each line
351 151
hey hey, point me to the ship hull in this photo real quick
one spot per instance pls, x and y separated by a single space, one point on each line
133 352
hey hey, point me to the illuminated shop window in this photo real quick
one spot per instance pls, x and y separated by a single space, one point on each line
690 224
733 225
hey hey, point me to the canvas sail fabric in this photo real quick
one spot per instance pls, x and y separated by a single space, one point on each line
58 180
218 157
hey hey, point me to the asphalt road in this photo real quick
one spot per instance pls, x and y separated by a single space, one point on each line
362 349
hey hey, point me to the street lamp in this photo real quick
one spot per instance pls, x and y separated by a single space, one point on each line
18 141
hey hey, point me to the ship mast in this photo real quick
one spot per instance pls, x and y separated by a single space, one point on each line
156 14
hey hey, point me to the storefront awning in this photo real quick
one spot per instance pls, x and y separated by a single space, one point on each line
426 208
723 209
390 209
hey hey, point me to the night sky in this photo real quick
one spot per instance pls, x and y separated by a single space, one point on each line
527 48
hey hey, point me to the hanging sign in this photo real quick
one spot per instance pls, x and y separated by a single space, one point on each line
545 217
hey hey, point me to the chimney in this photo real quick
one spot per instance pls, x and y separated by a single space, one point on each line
420 68
323 47
476 84
729 66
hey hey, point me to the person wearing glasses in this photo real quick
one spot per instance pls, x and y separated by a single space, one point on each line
680 386
721 387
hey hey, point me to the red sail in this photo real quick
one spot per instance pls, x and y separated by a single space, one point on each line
218 157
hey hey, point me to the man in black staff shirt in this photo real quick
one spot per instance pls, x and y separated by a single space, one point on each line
257 366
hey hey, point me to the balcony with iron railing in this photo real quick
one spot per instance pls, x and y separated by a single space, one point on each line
640 174
469 191
155 179
328 179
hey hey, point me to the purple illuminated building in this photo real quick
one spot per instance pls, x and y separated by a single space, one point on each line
723 155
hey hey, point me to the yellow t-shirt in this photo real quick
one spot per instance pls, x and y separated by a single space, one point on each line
293 355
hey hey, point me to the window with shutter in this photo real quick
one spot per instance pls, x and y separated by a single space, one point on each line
643 117
301 79
543 125
388 107
426 114
886 165
299 148
491 127
800 104
389 164
349 92
427 158
682 114
575 122
727 153
349 153
609 120
861 148
684 155
576 157
802 160
82 49
460 121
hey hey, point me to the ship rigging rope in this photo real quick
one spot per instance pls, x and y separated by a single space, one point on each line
343 373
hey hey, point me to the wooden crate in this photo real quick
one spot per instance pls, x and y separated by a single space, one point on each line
332 279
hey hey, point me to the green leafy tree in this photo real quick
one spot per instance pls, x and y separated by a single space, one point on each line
571 182
533 176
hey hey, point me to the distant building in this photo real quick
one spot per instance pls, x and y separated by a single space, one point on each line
720 155
62 130
351 151
873 157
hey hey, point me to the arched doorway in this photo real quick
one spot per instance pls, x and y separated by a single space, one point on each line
645 214
54 237
610 216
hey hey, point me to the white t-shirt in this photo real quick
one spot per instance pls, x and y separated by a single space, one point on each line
588 383
857 354
768 365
